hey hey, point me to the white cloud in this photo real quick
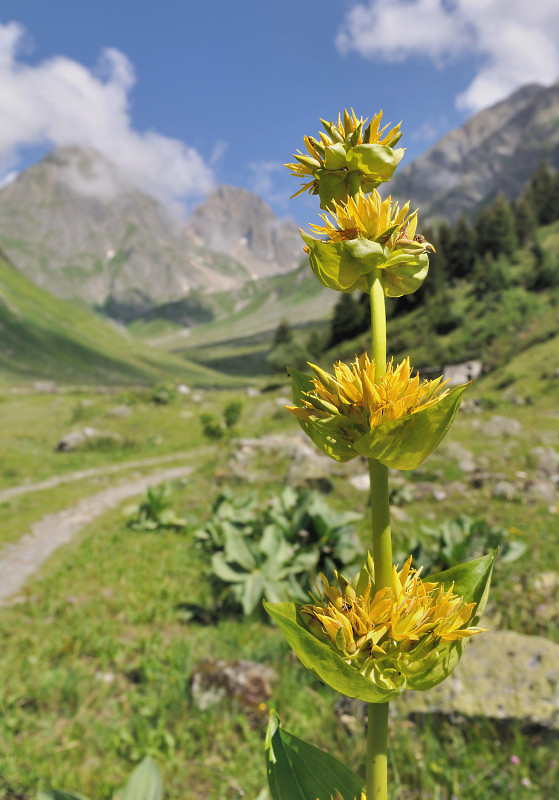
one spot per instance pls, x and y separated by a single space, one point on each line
263 181
511 42
60 102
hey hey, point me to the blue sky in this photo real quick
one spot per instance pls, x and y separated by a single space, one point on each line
187 94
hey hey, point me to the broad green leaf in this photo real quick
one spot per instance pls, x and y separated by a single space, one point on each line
344 266
299 771
471 581
238 548
227 572
326 664
144 783
252 592
378 162
404 274
404 443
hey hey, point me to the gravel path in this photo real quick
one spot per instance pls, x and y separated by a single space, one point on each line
20 560
49 483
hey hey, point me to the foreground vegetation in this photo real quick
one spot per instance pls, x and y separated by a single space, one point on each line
98 657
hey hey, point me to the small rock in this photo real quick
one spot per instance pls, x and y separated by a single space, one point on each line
501 426
502 675
465 459
45 387
465 372
215 680
182 388
547 460
541 491
75 439
361 482
252 391
504 490
120 411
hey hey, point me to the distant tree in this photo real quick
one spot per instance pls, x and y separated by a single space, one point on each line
542 189
525 221
460 251
495 229
347 319
437 279
283 334
292 354
315 343
545 269
491 277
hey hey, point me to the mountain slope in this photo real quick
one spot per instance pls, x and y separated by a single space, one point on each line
497 150
44 337
75 226
239 223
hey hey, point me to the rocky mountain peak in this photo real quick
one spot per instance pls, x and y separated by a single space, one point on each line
238 222
497 150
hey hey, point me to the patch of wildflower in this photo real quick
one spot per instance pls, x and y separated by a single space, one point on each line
365 400
370 217
394 626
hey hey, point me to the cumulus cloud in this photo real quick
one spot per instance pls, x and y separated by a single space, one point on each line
263 181
511 42
60 102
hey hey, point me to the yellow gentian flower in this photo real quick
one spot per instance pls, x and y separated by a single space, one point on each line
348 155
393 627
367 401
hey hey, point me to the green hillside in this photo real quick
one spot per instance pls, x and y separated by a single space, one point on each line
43 337
238 339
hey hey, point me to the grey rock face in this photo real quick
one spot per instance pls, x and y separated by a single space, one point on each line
75 226
497 150
239 223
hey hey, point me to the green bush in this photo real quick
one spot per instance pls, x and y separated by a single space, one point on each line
275 552
459 539
155 511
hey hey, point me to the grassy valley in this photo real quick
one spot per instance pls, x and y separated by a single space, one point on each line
45 338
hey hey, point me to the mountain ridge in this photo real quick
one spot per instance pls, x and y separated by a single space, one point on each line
496 150
76 227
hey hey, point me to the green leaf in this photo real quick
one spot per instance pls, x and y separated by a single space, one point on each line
335 156
326 664
299 771
253 590
404 443
237 547
144 783
471 581
378 162
332 185
227 572
323 439
344 266
403 273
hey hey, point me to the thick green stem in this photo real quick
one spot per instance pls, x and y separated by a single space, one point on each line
377 732
378 323
377 748
380 524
